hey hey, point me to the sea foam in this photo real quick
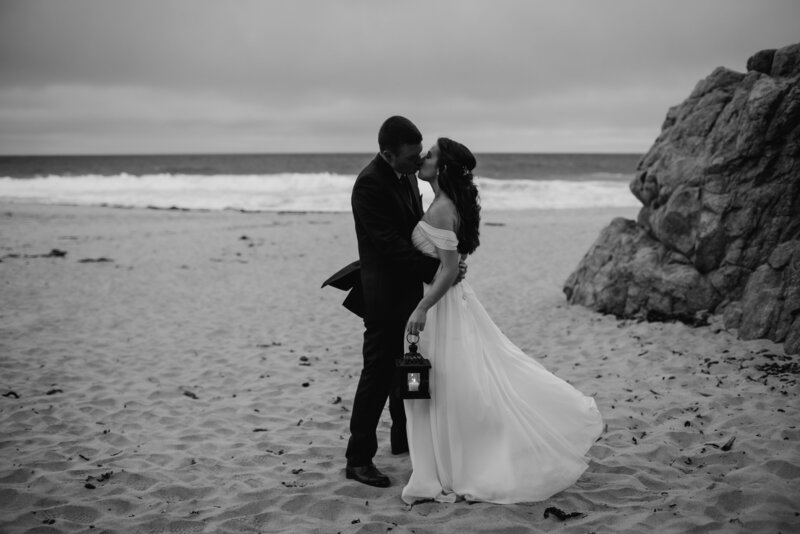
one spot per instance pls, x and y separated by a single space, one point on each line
291 192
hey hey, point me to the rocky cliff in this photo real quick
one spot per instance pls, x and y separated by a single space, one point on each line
719 230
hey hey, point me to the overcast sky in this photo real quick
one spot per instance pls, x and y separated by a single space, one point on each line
161 76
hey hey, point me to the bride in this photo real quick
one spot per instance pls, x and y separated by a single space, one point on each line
498 427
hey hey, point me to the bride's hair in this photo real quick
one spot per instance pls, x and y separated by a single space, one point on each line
455 164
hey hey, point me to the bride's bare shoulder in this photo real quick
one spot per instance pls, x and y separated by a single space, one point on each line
442 214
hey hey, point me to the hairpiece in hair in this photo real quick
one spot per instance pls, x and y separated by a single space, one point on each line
465 171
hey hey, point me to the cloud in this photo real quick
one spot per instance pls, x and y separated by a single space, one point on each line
320 75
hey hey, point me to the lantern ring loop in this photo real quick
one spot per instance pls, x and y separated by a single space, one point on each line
412 338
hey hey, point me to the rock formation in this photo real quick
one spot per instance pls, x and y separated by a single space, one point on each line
719 230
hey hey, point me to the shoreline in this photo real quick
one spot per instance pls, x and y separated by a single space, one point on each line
200 381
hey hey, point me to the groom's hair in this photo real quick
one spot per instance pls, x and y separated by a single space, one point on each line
397 131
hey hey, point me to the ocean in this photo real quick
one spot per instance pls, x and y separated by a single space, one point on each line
301 182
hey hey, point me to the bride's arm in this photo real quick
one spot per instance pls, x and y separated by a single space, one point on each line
444 218
441 283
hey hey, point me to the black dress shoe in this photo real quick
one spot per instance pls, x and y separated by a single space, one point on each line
367 474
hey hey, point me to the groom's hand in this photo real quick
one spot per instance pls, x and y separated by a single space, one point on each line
462 270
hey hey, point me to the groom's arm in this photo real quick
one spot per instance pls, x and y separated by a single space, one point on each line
370 206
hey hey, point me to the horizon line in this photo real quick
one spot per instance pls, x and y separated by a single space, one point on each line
315 153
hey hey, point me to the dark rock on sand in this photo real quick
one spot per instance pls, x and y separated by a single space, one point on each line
719 230
560 514
55 253
96 260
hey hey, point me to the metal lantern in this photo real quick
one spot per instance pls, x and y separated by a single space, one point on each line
412 373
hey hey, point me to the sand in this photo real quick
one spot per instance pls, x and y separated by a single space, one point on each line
184 372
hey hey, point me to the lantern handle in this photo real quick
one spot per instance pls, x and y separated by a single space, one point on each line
412 339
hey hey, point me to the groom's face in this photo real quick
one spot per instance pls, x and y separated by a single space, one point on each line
407 159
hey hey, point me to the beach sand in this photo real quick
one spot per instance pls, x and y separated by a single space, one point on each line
184 372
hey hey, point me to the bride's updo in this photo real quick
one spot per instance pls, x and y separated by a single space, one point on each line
455 164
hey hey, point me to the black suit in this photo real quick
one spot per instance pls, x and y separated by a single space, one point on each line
392 271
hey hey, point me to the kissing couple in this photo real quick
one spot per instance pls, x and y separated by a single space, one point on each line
498 427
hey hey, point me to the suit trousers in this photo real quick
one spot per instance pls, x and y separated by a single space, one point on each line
383 342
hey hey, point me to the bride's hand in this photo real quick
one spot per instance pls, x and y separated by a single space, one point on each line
462 269
416 323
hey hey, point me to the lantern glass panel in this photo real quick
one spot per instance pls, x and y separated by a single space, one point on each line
414 380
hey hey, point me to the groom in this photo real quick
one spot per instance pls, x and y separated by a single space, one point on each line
386 207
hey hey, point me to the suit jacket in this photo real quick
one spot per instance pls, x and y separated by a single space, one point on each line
349 278
391 269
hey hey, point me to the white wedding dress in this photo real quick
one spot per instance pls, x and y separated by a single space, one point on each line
498 427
